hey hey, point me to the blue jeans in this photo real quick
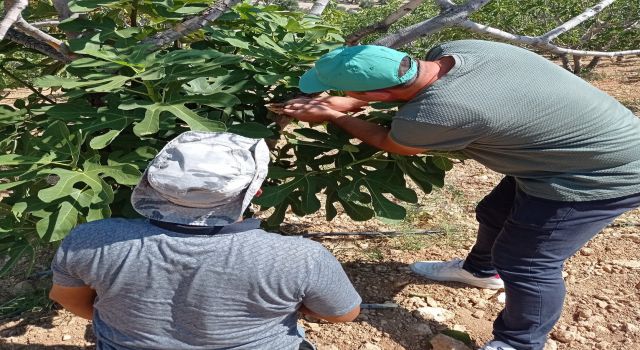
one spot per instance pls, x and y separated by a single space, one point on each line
526 240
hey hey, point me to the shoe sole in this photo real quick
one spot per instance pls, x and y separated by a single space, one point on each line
459 280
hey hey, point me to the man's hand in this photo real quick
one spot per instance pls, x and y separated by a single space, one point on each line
337 103
311 112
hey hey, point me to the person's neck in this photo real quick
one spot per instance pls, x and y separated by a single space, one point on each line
430 72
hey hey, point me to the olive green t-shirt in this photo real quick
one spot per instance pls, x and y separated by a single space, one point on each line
522 115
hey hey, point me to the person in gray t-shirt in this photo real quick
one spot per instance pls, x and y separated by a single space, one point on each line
570 153
193 275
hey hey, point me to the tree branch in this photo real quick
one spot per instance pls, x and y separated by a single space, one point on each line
538 42
31 43
37 34
447 18
572 23
13 12
190 25
41 24
384 25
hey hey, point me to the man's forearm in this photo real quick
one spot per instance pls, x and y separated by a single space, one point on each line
370 133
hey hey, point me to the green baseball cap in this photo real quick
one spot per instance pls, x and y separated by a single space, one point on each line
357 68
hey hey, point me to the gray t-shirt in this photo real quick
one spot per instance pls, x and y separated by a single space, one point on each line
522 115
237 289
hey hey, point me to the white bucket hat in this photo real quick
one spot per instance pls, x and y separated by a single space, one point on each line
202 179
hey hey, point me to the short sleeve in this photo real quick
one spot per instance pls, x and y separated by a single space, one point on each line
328 291
428 136
62 265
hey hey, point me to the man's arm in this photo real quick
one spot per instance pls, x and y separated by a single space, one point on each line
370 133
77 300
337 103
348 317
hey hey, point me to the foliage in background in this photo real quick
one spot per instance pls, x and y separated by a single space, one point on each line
76 160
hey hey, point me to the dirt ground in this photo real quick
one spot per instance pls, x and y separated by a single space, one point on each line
603 279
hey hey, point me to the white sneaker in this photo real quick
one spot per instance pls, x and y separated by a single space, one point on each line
453 271
497 345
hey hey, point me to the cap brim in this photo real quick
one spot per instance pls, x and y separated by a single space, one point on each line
309 82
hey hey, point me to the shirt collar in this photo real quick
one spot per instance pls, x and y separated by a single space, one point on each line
241 226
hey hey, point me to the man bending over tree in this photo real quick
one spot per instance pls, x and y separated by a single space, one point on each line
570 153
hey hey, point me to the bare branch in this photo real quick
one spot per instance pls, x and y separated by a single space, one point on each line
384 25
572 23
13 11
318 7
31 43
450 17
190 25
41 24
62 6
36 33
538 42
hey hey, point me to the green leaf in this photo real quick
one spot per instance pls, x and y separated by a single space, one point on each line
384 207
355 211
443 163
273 195
268 79
59 223
251 129
237 43
195 122
91 176
102 141
309 202
151 122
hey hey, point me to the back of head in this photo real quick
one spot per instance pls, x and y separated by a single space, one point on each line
202 179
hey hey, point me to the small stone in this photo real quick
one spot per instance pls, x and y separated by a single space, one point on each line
432 302
564 336
437 314
632 264
369 346
478 314
421 329
551 345
66 337
314 327
638 286
443 342
607 269
481 304
417 301
459 328
583 314
602 304
629 327
565 274
502 298
586 251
